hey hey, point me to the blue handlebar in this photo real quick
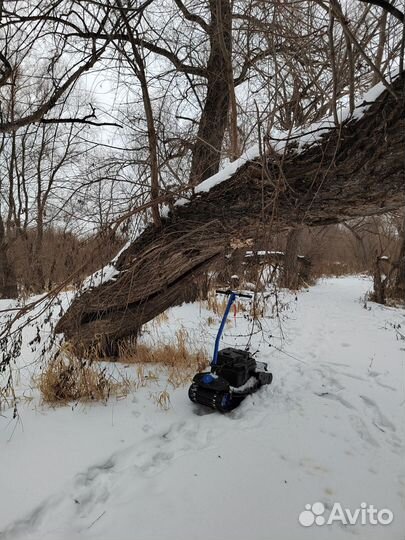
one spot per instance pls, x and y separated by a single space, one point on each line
231 300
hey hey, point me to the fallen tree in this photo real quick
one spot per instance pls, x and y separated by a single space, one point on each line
354 169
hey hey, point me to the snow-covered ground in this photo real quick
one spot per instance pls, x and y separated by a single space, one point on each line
329 429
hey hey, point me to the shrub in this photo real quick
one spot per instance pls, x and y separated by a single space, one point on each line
67 378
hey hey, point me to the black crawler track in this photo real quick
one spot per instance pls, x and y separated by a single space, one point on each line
221 401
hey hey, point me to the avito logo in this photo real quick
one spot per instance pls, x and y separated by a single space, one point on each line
366 514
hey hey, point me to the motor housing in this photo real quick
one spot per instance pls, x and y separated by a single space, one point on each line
234 365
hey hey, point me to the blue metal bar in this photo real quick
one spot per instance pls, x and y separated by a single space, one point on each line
231 300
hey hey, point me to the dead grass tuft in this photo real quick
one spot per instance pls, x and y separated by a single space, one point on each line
67 378
216 303
161 318
255 309
180 356
161 399
144 377
179 353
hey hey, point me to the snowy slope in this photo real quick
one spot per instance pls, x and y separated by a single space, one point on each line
330 429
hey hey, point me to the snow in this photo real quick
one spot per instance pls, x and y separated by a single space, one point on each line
262 253
330 428
250 383
218 178
249 286
104 274
229 170
311 134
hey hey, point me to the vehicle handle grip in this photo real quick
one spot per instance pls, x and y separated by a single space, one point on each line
228 292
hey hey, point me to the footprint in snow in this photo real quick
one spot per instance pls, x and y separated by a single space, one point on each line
200 410
327 364
376 376
335 397
93 487
156 461
380 421
352 376
360 428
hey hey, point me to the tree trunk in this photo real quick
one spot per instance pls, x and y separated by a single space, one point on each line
152 141
334 180
291 265
381 45
213 122
361 249
139 68
8 281
400 280
37 253
379 283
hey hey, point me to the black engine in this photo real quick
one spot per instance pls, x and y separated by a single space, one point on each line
235 366
235 375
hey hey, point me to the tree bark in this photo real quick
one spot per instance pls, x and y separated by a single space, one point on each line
400 280
37 253
379 283
381 45
355 170
361 249
8 281
291 266
139 68
213 122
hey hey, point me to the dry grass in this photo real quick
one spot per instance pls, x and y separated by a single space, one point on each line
160 319
161 399
180 352
145 376
67 378
180 357
255 309
216 303
72 377
179 360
